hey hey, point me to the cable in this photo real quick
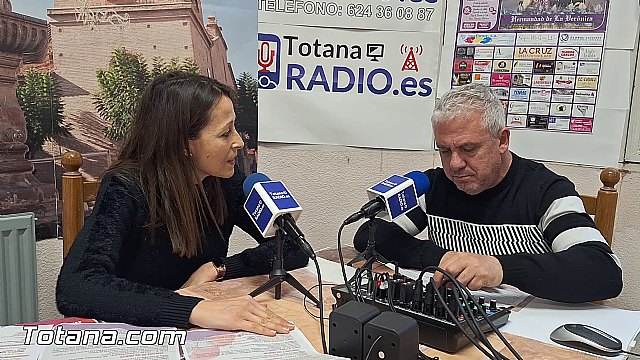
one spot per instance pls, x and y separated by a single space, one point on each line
358 279
342 266
474 326
470 319
458 324
321 306
305 297
493 327
630 353
466 291
467 314
474 334
347 282
454 318
371 348
354 281
304 301
389 297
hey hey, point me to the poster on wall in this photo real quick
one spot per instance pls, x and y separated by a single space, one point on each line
542 57
326 77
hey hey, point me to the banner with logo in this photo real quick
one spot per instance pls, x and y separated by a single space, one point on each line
325 77
542 57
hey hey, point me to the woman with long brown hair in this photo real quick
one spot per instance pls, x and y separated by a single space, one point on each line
163 217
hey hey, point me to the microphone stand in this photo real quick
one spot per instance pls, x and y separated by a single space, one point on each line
370 253
278 274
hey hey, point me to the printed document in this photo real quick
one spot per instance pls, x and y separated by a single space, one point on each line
227 345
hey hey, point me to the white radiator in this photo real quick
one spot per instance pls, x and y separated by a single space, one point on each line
18 286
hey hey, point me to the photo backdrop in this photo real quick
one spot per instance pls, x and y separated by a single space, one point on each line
81 93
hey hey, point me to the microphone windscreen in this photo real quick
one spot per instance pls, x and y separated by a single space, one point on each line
420 180
251 180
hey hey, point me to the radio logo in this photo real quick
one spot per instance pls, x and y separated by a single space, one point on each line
269 49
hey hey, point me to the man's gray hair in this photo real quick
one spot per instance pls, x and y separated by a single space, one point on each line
467 99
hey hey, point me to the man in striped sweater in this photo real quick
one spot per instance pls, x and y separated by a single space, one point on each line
492 217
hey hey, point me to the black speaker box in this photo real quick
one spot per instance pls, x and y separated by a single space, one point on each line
391 336
346 328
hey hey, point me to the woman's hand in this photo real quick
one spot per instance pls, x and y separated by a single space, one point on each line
207 272
242 313
187 292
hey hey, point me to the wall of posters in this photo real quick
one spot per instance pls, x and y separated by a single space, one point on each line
340 72
542 57
603 144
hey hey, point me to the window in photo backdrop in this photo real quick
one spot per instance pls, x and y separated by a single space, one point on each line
79 82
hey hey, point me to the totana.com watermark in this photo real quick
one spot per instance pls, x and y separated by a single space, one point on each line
60 336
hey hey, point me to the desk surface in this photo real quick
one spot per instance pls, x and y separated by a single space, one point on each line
291 308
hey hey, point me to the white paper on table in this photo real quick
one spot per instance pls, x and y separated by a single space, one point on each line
112 352
503 294
540 317
330 271
227 345
15 345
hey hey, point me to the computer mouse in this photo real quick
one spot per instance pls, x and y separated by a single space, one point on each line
587 338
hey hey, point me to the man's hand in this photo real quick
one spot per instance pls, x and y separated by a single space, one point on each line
472 270
207 272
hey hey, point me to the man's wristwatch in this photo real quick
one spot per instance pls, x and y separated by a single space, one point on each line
221 269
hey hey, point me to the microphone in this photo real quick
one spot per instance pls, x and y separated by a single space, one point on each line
271 206
395 196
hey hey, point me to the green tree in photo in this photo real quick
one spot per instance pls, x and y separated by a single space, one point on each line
160 67
39 97
190 65
157 67
247 109
119 89
121 84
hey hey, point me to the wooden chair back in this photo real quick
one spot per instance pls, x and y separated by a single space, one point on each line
603 206
76 191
